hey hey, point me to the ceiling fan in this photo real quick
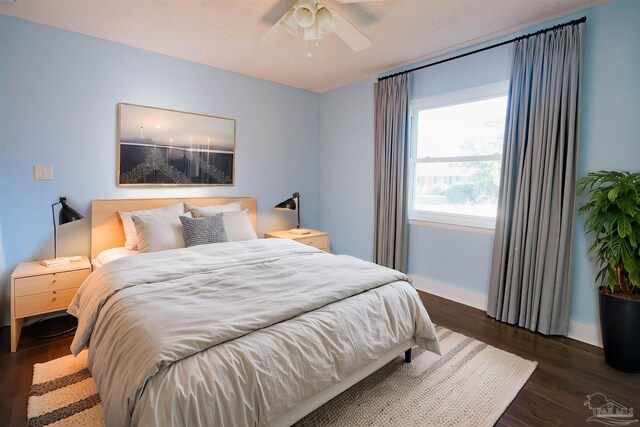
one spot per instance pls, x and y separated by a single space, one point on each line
316 20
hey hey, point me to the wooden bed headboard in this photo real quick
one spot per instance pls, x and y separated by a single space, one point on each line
106 226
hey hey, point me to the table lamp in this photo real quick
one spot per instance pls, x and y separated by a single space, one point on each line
290 204
66 215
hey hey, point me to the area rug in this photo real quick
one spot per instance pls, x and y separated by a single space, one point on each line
472 383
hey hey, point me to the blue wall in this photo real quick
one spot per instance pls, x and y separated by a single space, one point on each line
58 96
346 174
610 129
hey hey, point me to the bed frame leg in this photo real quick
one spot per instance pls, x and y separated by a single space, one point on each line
407 356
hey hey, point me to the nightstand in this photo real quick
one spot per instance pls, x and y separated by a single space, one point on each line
317 239
36 289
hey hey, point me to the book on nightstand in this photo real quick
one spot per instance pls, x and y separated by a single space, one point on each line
59 261
54 261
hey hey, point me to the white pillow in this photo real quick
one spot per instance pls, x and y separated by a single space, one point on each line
198 211
130 229
158 232
113 254
237 226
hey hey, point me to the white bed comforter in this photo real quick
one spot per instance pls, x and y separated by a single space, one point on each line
236 333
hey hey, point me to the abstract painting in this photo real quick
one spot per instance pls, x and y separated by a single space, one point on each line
166 147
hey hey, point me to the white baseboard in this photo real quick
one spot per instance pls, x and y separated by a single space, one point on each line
451 292
585 332
579 331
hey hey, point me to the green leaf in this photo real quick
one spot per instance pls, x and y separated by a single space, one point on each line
628 206
612 215
608 224
624 227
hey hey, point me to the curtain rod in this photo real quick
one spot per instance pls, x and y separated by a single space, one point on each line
473 52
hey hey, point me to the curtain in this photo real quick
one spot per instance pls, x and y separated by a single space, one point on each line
531 267
391 116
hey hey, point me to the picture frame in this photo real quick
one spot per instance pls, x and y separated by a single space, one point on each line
162 147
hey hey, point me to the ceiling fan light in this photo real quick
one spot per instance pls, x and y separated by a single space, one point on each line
289 23
325 23
304 13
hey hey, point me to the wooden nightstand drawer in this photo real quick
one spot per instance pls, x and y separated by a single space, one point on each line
36 289
44 302
50 282
320 242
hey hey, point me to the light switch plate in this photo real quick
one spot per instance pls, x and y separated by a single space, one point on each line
43 172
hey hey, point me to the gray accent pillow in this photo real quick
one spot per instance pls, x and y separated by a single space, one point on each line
204 230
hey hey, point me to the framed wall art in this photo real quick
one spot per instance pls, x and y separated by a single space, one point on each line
167 147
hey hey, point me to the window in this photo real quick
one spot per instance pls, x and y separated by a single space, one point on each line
455 156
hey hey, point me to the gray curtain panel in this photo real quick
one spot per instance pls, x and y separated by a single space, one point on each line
531 268
390 179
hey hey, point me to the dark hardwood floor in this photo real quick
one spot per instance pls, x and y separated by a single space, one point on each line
16 371
567 370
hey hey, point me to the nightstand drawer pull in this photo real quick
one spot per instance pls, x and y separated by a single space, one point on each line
49 282
44 302
317 242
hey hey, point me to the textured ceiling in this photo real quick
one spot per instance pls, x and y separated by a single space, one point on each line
225 33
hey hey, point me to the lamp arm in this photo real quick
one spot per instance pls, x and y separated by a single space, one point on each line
297 196
55 237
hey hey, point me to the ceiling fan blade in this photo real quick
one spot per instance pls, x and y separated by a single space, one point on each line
276 33
349 34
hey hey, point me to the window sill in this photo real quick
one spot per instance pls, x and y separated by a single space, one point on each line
464 228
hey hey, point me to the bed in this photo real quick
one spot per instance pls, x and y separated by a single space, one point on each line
257 332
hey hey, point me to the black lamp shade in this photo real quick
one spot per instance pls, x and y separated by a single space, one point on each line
287 204
68 214
290 204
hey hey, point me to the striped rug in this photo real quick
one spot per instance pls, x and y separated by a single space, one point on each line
63 393
471 384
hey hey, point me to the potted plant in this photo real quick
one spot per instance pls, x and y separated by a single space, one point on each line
613 216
